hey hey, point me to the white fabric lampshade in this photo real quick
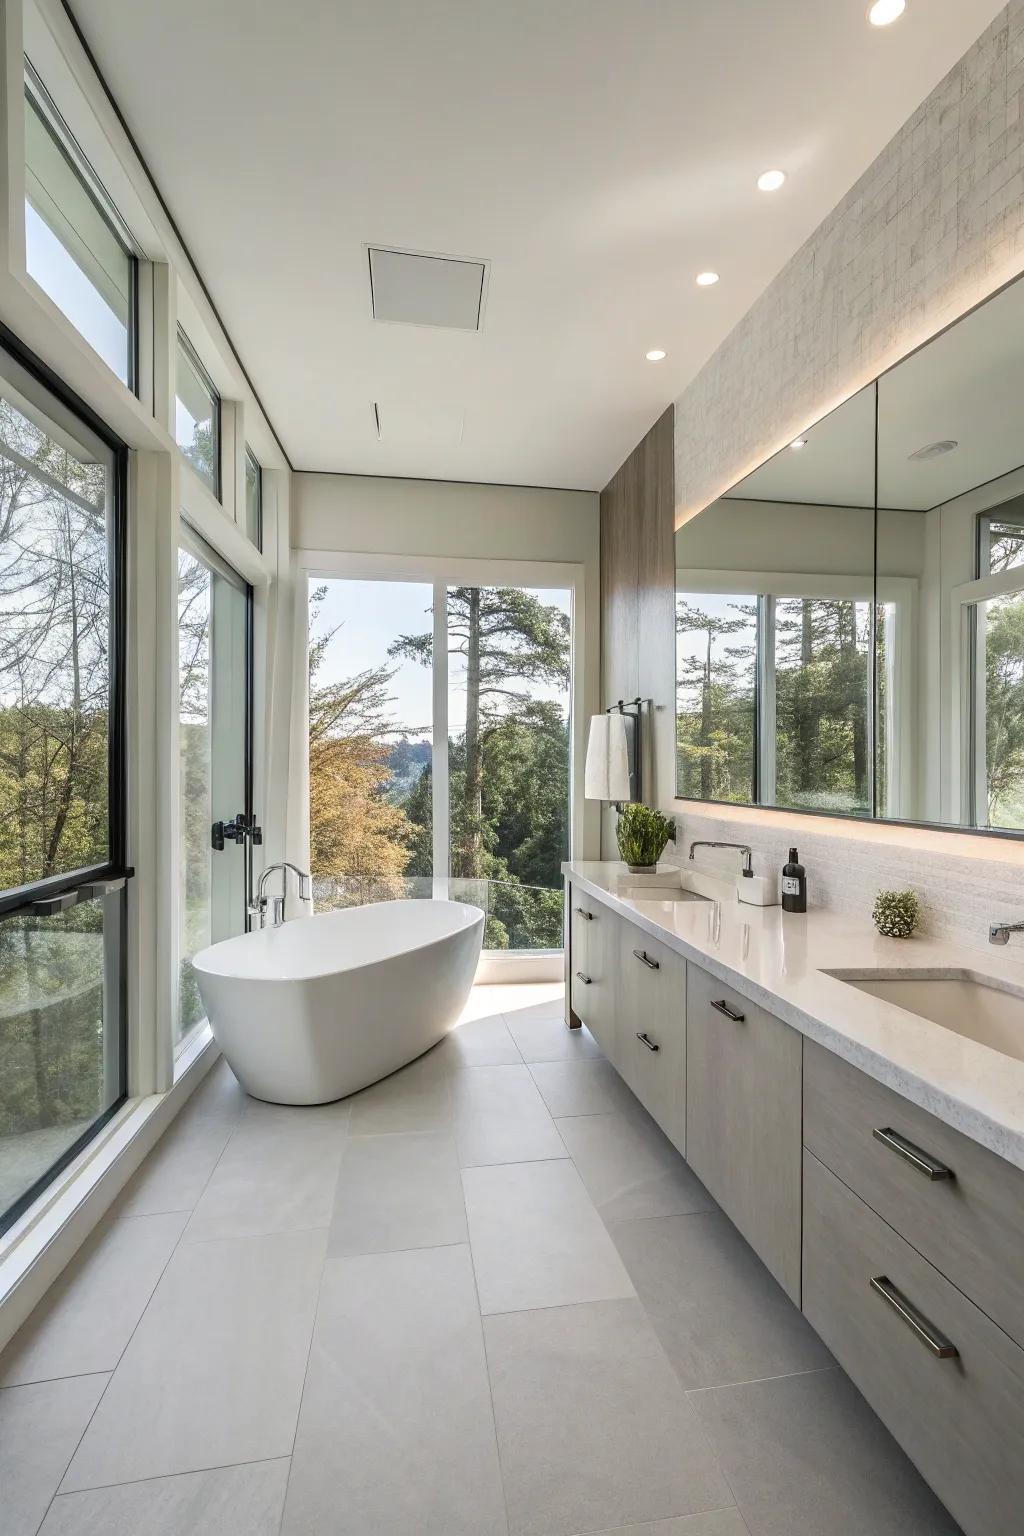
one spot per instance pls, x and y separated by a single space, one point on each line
607 772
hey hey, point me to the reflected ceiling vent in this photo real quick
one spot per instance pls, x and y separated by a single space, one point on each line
933 450
413 288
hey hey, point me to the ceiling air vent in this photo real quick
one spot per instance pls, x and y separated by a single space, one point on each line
412 288
932 450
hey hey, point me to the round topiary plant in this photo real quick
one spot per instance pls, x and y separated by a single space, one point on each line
896 913
641 835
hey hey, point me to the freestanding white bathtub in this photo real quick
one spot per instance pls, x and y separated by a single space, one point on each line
314 1009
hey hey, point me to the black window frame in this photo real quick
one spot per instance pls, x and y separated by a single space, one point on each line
218 424
114 870
39 97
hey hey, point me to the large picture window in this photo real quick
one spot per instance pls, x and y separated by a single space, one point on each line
62 828
474 806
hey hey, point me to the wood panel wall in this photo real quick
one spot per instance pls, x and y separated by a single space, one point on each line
638 602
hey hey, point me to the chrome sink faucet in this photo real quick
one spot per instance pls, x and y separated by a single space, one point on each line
275 904
999 933
748 866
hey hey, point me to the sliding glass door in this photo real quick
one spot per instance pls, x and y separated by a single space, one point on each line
213 757
62 812
439 748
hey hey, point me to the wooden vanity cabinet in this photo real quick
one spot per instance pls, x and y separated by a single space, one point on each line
650 1027
743 1106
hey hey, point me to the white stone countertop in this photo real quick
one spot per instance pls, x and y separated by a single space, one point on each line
779 959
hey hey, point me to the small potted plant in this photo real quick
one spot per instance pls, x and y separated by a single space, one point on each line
641 835
895 913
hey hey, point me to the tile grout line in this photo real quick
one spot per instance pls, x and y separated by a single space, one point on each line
163 1477
487 1361
135 1329
756 1381
312 1335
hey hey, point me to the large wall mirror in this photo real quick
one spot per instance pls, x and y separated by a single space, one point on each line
850 617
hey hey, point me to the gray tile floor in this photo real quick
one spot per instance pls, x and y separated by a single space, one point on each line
483 1298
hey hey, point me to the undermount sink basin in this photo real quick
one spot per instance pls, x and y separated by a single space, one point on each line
979 1009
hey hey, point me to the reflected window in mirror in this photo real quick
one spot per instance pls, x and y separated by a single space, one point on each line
774 622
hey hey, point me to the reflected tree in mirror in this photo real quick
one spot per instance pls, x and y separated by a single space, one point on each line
822 750
716 673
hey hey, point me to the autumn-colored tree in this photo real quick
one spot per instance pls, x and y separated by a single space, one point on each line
356 834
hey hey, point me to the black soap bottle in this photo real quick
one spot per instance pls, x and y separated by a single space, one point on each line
794 884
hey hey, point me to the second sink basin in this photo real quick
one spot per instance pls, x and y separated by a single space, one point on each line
979 1009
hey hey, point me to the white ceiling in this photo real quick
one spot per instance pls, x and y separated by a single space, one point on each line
597 154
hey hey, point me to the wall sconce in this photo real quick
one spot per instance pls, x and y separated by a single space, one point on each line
614 751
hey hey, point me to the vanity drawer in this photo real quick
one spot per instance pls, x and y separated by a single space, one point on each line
592 977
650 1048
960 1419
969 1225
743 1118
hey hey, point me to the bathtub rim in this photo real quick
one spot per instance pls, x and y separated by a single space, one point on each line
329 965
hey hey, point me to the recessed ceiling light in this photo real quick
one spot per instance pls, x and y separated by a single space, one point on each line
771 181
655 355
933 450
884 12
799 442
707 279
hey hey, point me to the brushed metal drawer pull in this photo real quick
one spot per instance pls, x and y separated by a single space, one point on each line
652 965
929 1166
941 1347
646 1040
585 979
723 1007
584 913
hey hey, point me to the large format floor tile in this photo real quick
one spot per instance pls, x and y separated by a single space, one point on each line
501 1118
40 1425
214 1371
582 1088
87 1316
516 1000
396 1433
719 1314
593 1427
717 1522
220 1096
806 1456
277 1173
398 1192
176 1172
484 1042
551 1039
630 1168
537 1240
416 1098
229 1501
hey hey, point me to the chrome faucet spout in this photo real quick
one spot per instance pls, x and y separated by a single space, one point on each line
743 848
999 933
275 904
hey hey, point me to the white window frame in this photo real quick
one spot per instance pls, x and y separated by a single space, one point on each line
442 572
968 770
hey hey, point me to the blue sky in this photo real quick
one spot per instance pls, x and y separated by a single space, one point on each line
372 614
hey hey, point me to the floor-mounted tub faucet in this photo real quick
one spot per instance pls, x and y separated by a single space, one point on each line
275 904
748 866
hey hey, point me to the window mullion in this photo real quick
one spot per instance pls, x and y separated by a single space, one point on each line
439 753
